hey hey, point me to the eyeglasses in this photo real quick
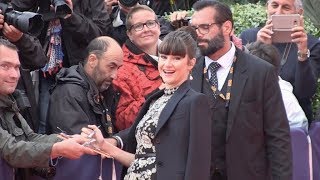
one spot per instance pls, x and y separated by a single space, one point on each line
204 28
139 26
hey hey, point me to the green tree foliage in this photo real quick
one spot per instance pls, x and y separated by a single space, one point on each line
248 15
311 11
242 1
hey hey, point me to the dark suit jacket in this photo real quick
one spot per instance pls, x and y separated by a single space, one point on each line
257 138
302 75
183 135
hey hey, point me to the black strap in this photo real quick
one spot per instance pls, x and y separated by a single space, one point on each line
137 156
134 49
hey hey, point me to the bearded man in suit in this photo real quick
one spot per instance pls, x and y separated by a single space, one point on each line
251 136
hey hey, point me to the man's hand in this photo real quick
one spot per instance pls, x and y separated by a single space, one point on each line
109 3
1 20
71 148
265 34
177 17
11 33
299 36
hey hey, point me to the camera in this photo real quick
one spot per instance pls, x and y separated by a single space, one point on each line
26 22
61 8
282 25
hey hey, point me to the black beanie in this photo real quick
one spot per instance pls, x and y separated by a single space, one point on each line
128 3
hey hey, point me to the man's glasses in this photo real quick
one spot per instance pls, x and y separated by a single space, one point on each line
204 28
139 26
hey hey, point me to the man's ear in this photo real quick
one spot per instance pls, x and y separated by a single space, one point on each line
92 60
300 11
227 28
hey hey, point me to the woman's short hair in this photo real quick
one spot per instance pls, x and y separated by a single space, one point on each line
136 9
178 43
267 52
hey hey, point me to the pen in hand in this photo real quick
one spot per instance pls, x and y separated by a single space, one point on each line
92 133
63 134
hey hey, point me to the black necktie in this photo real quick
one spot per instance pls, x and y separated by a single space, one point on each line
213 67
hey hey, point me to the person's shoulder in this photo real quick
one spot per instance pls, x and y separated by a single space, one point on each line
313 41
253 62
68 81
193 95
251 30
249 35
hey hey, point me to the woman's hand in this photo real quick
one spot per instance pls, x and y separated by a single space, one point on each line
92 133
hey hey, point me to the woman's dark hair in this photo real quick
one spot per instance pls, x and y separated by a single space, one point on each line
267 52
178 43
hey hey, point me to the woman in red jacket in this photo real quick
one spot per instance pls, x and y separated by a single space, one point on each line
138 76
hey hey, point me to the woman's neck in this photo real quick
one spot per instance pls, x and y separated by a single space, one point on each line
151 50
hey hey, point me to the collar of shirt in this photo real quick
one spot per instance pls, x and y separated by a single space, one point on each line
225 61
285 85
117 21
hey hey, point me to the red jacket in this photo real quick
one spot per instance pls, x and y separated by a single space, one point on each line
136 79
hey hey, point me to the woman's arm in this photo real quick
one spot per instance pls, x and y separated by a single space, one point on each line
104 145
120 155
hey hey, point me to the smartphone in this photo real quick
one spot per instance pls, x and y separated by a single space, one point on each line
282 25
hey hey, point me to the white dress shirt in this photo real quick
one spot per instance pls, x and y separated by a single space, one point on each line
225 61
295 114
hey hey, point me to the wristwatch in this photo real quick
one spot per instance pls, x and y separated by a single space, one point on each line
303 55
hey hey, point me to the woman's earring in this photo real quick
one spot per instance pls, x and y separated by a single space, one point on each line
190 77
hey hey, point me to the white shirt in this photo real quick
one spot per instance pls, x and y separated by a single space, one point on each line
117 21
225 61
295 114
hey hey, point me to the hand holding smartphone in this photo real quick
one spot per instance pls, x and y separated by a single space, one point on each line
282 25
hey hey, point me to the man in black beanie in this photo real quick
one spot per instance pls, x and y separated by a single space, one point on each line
118 16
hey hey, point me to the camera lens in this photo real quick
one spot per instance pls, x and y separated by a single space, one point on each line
62 9
25 21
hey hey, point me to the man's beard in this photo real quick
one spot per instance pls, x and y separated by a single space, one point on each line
214 45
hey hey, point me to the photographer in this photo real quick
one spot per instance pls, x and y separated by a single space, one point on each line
161 7
20 147
118 16
32 57
71 31
300 59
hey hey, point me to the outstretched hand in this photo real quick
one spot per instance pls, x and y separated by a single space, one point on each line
71 148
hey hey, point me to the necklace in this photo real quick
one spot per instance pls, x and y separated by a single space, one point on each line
285 54
170 91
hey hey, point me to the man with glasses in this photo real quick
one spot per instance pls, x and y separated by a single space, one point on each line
138 77
20 147
251 138
300 59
